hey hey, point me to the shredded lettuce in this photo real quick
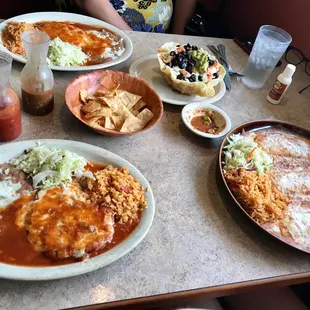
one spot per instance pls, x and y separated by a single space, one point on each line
243 152
49 166
65 54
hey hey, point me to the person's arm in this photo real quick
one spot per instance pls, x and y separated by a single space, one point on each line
104 10
183 12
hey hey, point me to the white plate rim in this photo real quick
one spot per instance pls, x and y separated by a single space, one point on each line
62 16
213 99
206 105
12 272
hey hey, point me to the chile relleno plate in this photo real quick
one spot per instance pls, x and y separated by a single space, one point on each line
80 210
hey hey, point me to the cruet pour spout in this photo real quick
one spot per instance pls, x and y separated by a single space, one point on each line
5 72
36 45
5 69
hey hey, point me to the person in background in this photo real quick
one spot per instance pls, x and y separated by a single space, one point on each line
185 9
17 7
137 15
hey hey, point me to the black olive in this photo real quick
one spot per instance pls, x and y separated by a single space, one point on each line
215 75
180 77
189 68
200 78
172 53
193 77
194 48
174 62
182 65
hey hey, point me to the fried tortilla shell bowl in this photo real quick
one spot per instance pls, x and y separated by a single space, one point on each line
194 89
93 80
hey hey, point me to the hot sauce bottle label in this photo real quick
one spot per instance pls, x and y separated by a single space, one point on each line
277 90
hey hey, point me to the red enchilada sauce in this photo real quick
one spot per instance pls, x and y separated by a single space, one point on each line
80 35
15 248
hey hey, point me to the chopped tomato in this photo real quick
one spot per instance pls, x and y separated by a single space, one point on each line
126 189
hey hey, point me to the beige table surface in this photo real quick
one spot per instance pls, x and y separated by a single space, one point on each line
194 241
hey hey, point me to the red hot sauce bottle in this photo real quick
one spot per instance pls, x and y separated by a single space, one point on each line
10 115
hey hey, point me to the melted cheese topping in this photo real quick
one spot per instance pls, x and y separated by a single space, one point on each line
279 143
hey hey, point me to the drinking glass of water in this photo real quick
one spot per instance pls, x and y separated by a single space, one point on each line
270 44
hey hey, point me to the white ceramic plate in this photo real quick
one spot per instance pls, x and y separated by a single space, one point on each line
191 110
94 154
59 16
147 68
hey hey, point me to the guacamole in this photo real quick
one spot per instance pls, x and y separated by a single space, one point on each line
201 59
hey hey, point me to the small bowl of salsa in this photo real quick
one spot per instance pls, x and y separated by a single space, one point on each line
206 120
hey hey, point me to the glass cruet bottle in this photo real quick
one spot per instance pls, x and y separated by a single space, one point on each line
10 115
37 81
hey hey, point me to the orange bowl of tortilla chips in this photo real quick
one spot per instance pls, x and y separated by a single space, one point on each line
114 103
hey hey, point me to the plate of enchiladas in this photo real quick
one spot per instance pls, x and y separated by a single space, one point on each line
77 42
265 166
68 208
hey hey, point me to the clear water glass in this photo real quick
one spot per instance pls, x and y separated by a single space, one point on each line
270 44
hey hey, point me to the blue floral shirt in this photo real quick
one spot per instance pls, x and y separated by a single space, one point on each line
147 16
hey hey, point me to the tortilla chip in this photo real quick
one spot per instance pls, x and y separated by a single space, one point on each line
123 111
128 99
108 124
145 116
112 92
91 106
117 106
95 98
83 95
108 84
132 124
101 121
113 103
134 112
92 121
117 121
103 111
139 105
103 91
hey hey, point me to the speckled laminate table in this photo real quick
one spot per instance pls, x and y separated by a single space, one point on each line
196 241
